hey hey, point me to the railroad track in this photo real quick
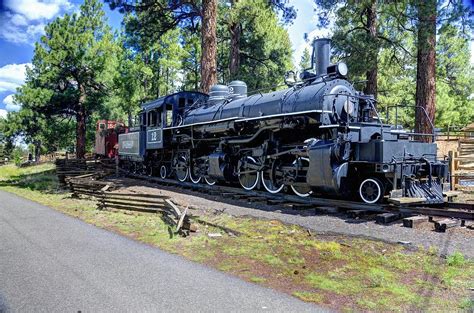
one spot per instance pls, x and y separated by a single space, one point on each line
385 213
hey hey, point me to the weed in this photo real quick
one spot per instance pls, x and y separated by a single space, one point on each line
328 246
467 304
256 279
379 277
456 259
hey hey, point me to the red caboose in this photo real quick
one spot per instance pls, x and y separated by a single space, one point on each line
106 138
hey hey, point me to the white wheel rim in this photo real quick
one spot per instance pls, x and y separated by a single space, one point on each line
296 191
299 193
209 181
186 173
194 180
163 172
256 180
185 177
269 189
379 191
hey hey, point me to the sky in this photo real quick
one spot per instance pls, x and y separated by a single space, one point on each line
22 24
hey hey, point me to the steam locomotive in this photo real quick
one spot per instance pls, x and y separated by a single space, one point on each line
320 136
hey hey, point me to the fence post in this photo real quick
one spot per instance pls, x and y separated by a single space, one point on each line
451 168
116 166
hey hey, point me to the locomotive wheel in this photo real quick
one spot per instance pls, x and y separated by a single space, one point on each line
268 178
182 169
150 170
195 178
302 191
163 172
134 168
371 190
210 181
248 180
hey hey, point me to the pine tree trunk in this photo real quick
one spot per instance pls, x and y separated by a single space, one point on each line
426 67
235 30
130 118
371 74
81 126
37 150
208 45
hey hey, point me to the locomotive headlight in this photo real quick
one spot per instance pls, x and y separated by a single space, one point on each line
349 107
342 69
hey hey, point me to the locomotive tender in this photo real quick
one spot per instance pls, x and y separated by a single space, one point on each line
320 136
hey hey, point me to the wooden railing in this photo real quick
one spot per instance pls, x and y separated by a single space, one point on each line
109 198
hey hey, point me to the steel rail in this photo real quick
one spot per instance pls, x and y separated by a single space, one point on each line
464 211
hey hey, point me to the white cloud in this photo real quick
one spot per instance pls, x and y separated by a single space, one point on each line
7 86
36 9
3 113
17 19
35 30
24 20
12 28
12 76
317 33
10 104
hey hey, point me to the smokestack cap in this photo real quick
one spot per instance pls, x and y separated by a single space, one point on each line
321 55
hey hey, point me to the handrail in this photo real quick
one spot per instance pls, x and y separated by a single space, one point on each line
387 115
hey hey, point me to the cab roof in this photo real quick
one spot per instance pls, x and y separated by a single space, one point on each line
172 98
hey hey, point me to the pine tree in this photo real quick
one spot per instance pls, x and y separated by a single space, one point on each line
305 62
155 18
264 46
68 66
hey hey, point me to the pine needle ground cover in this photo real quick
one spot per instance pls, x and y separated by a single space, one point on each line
338 272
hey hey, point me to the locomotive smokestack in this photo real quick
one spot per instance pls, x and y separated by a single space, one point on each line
321 55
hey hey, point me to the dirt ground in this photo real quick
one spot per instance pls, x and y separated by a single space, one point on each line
455 239
444 146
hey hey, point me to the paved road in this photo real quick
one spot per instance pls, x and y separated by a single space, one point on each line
50 262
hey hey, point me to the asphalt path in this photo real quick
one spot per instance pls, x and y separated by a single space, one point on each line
50 262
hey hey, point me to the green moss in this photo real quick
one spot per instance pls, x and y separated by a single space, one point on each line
379 277
272 260
309 296
333 284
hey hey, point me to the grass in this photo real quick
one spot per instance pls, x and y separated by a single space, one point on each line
333 271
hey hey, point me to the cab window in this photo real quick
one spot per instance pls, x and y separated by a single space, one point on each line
159 119
152 118
169 115
143 119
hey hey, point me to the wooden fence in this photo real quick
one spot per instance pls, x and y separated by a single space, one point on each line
462 164
67 168
109 198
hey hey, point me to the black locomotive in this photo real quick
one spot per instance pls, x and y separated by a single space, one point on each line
320 136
